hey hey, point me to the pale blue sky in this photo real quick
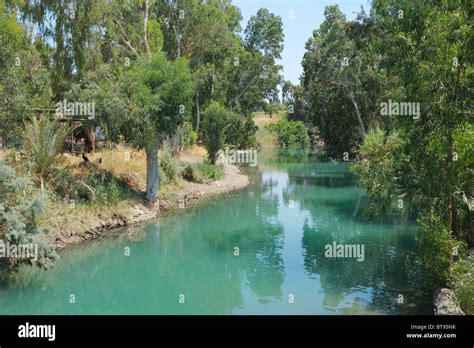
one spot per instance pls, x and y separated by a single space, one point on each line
308 15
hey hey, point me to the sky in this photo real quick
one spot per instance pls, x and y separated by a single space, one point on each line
307 16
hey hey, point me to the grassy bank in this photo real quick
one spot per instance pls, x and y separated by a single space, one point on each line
86 197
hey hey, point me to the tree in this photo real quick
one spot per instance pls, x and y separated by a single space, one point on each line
215 124
203 32
24 81
424 48
293 98
157 97
253 75
79 36
342 80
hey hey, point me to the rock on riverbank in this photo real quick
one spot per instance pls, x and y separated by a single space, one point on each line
445 303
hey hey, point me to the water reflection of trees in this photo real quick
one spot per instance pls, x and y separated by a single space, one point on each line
387 270
207 238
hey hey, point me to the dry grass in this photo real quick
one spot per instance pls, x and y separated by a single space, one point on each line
266 139
66 219
261 119
130 164
194 154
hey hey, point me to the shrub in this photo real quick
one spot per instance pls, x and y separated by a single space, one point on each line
461 281
291 134
216 120
18 220
108 189
203 172
169 165
192 137
435 246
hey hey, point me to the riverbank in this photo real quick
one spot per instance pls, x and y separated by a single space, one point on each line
128 213
114 181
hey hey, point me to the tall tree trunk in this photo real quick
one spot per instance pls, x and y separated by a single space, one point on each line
175 144
90 139
359 118
145 23
198 113
152 183
451 209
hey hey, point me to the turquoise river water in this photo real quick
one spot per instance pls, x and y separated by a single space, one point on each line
261 250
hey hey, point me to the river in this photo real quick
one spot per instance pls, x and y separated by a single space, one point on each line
261 250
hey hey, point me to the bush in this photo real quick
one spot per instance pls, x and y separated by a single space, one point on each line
192 137
108 189
291 134
169 165
203 172
461 281
216 121
18 220
242 132
435 246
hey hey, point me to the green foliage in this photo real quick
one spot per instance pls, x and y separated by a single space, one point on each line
192 138
294 99
272 109
434 249
291 134
427 160
169 165
159 93
461 281
203 172
342 80
242 132
215 124
250 75
18 220
24 81
381 162
43 140
107 189
186 135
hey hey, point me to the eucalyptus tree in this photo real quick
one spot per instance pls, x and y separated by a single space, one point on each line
253 74
342 80
24 79
425 50
434 63
203 32
293 97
